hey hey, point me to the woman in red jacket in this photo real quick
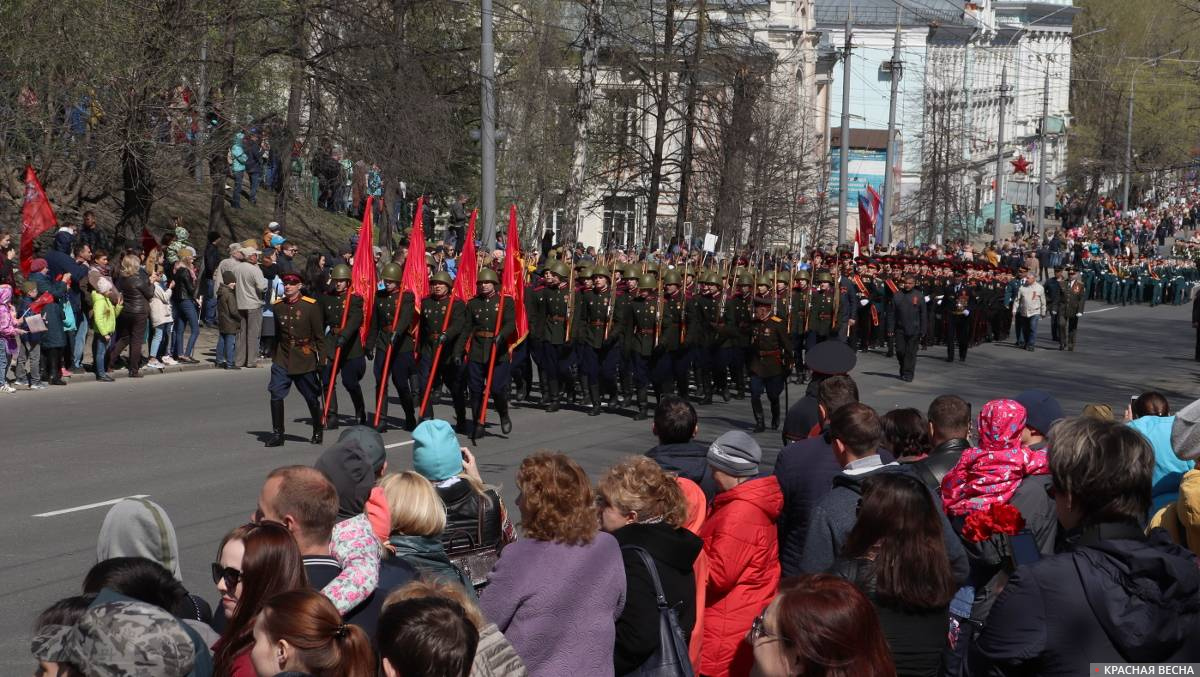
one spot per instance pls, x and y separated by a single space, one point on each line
742 546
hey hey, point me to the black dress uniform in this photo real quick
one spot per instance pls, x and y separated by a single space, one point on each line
452 340
353 362
908 322
402 340
958 305
481 314
770 358
298 329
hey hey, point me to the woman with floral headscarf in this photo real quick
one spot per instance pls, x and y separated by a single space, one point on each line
991 472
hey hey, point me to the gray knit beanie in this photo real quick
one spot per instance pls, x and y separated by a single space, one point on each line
736 454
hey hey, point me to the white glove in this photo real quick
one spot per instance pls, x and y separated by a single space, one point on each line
926 299
966 312
863 302
1078 314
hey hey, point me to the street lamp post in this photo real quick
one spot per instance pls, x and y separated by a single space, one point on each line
1129 127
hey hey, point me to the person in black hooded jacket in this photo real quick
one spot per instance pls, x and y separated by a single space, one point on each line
675 426
643 507
949 422
1114 594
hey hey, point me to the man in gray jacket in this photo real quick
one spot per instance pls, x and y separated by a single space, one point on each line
250 286
1029 305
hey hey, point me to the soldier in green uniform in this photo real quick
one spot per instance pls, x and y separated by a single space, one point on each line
641 323
342 324
397 328
549 316
298 327
797 322
626 293
443 323
669 366
770 359
482 314
821 314
597 338
735 338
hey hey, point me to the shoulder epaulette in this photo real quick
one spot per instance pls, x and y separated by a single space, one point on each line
308 299
775 318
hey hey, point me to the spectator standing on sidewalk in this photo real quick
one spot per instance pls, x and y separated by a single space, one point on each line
106 306
208 289
229 321
251 285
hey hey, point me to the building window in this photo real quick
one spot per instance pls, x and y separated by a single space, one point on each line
620 215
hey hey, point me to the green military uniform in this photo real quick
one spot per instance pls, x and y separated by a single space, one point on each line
298 355
481 315
550 311
597 358
352 364
702 337
1074 299
394 327
770 359
735 341
671 362
641 323
451 336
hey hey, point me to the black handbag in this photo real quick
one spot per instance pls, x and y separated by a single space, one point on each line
671 658
470 555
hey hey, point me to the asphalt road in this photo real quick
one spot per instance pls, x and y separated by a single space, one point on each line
191 441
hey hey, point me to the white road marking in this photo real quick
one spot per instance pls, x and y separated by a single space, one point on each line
89 506
1088 312
393 445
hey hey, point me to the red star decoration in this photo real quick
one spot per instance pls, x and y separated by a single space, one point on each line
1020 165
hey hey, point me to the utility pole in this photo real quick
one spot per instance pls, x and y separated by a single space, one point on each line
1128 151
897 68
844 151
1041 215
487 126
1000 157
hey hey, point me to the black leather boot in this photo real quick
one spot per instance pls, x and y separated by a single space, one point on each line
383 412
643 409
331 421
552 396
502 410
276 438
410 416
594 395
314 411
756 406
360 406
775 414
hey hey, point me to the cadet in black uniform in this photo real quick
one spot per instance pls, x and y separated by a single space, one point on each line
908 322
958 304
481 313
343 332
770 359
298 328
451 335
401 337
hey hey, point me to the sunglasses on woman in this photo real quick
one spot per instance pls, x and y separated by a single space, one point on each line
758 630
230 575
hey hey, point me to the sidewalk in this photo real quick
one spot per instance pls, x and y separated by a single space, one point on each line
205 352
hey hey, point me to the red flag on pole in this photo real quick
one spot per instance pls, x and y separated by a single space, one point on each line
40 302
464 283
416 275
363 280
512 282
37 217
149 242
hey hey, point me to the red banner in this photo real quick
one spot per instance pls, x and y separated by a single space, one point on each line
37 217
416 274
363 275
464 283
512 282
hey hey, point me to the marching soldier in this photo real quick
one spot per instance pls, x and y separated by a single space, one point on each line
735 338
1074 298
821 320
641 325
702 322
770 359
670 364
449 333
798 321
598 359
550 317
298 328
342 323
481 314
402 342
957 305
626 293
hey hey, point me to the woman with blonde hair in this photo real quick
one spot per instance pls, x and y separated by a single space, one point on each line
418 519
136 290
187 311
557 593
644 509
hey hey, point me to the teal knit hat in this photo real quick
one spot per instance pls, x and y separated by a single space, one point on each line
436 453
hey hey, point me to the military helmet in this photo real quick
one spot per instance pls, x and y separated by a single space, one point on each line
559 268
711 277
583 272
601 271
800 276
488 275
392 272
824 276
672 277
340 272
646 282
745 279
442 277
764 280
631 270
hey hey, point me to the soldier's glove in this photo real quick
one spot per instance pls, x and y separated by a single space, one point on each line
456 361
370 353
1078 314
389 336
863 302
966 312
441 339
342 340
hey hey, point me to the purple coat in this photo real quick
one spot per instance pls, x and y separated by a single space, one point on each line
558 604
